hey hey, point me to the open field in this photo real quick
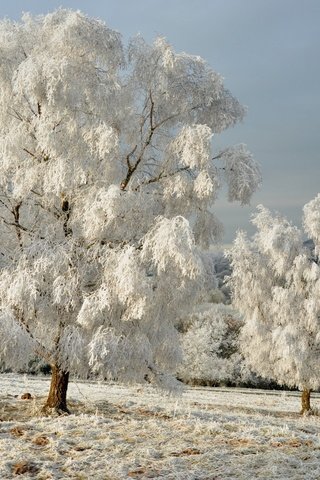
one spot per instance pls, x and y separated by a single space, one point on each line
119 432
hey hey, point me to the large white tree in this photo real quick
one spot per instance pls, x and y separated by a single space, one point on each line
276 286
107 181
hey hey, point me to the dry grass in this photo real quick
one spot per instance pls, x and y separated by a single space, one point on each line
137 433
22 468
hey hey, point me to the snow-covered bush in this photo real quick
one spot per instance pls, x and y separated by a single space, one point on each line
209 333
209 338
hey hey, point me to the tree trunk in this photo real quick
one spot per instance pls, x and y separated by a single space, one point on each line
57 398
305 401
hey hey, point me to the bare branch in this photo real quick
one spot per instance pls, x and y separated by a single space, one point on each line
130 155
5 205
151 112
162 175
40 350
133 168
15 224
30 153
29 104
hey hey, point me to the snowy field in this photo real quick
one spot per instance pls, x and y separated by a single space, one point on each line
118 433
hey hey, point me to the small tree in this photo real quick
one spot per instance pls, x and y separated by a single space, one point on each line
275 284
107 183
210 330
209 340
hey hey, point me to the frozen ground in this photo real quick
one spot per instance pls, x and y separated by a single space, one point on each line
135 433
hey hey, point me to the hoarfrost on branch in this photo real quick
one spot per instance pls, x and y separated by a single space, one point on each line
107 181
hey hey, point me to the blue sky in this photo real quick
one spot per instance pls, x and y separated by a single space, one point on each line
268 53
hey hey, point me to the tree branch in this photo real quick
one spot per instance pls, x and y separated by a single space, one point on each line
40 351
66 209
162 175
30 153
133 168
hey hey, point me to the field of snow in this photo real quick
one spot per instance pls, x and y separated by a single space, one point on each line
118 432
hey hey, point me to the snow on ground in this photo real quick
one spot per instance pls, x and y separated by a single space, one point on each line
119 432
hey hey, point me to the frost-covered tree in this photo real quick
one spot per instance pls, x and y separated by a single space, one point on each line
210 330
275 284
107 182
209 340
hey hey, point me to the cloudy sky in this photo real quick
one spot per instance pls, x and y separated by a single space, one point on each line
268 53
